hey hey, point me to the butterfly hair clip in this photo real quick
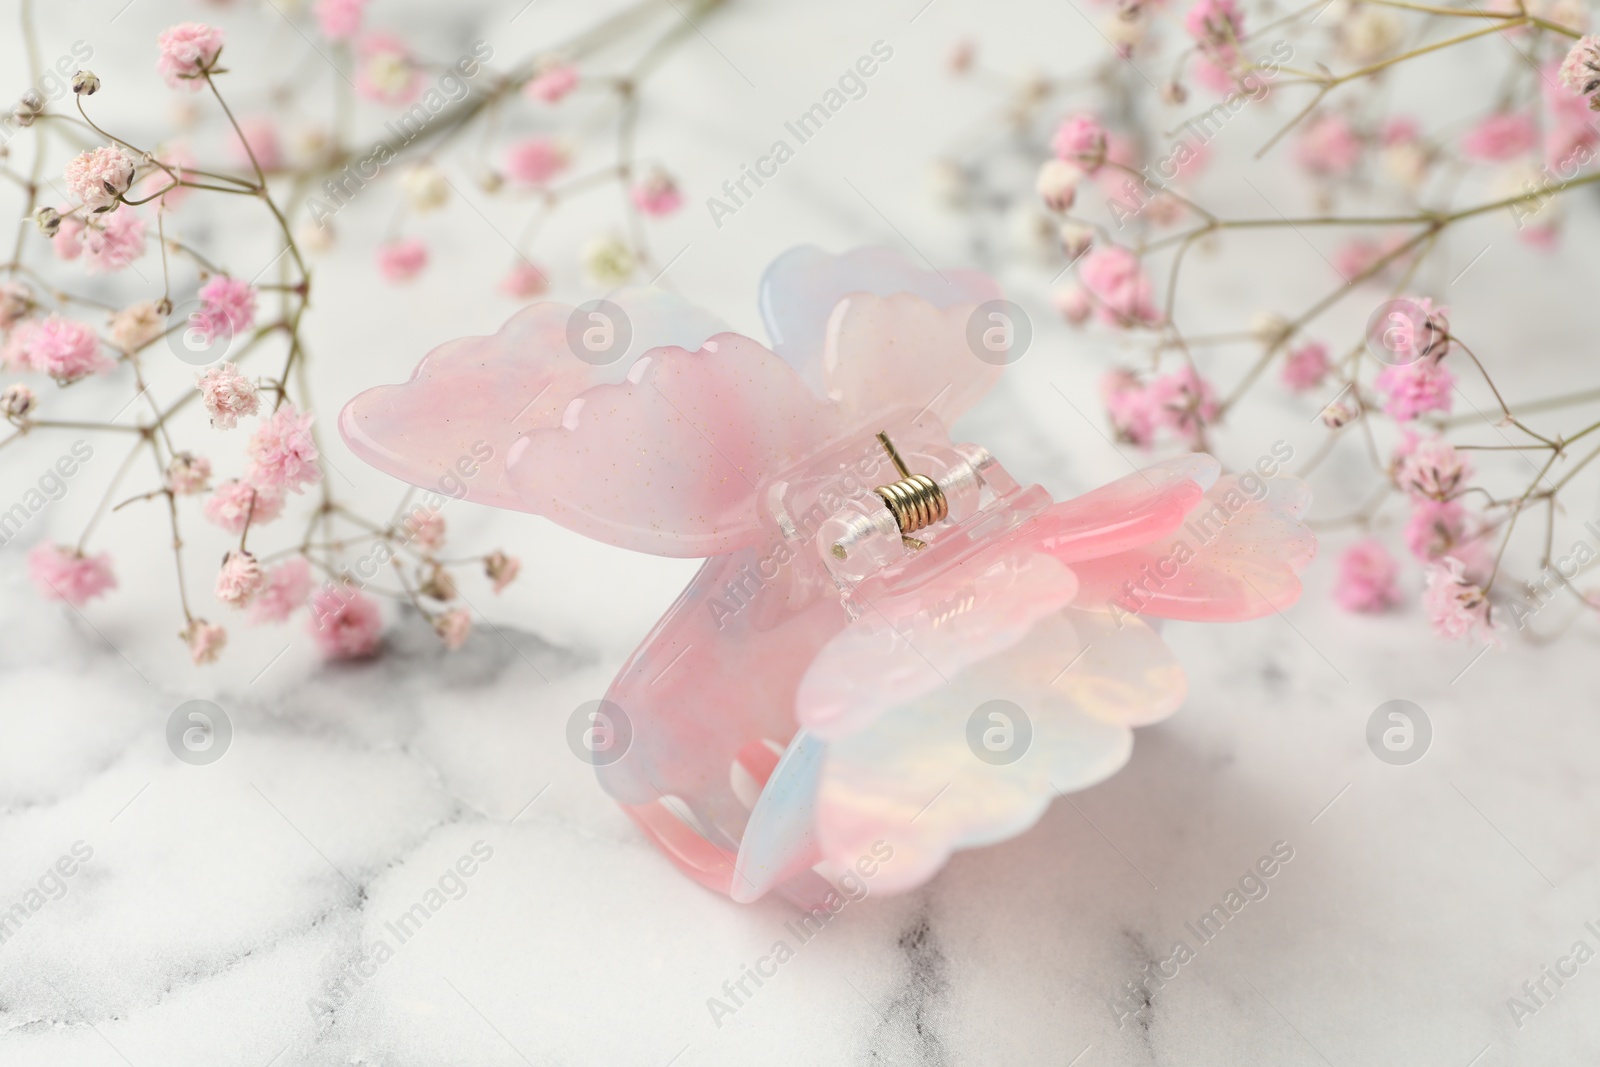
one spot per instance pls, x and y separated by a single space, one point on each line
894 650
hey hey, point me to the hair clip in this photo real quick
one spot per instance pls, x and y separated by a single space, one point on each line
894 650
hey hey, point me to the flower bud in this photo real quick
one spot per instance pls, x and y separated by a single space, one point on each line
16 401
1057 184
48 219
84 83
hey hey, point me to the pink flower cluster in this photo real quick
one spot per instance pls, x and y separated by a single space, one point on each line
65 349
1081 139
99 176
1368 578
62 573
227 395
535 160
188 51
345 623
1119 284
227 308
552 84
401 261
282 455
339 20
1181 402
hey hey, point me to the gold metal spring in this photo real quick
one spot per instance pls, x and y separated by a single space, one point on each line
915 500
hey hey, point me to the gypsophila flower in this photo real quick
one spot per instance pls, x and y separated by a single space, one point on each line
48 219
657 194
1057 184
1456 607
99 176
137 325
227 394
1501 136
608 261
65 349
62 573
1338 414
1073 302
437 584
1130 407
385 70
501 569
227 308
282 455
239 579
424 529
345 623
1416 388
401 261
453 626
17 401
111 242
1328 146
1368 578
1580 70
234 503
552 83
1433 468
188 474
1081 140
287 587
84 83
205 641
1184 401
1118 282
1306 366
524 281
339 20
1435 528
535 161
188 51
426 188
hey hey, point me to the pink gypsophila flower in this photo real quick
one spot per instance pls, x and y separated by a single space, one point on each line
1130 406
1368 578
1306 366
345 623
1500 137
339 20
501 569
97 177
424 528
234 503
1185 402
552 83
1433 468
188 474
1436 527
68 241
657 194
401 261
1456 608
62 348
524 282
62 573
205 640
16 301
239 579
1081 140
1416 388
535 161
286 588
386 72
227 394
282 454
1215 23
187 51
227 307
111 242
453 626
1118 281
1328 146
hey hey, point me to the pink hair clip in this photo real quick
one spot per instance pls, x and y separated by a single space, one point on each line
894 650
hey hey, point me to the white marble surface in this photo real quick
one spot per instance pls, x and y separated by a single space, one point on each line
221 902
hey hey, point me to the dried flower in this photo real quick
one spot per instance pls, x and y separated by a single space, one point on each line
227 394
17 401
1456 607
189 50
62 573
239 579
205 640
401 261
657 194
453 626
188 474
437 583
1057 184
65 349
1368 578
608 261
552 83
524 281
501 569
535 160
234 503
345 623
99 176
286 588
426 188
282 454
137 325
